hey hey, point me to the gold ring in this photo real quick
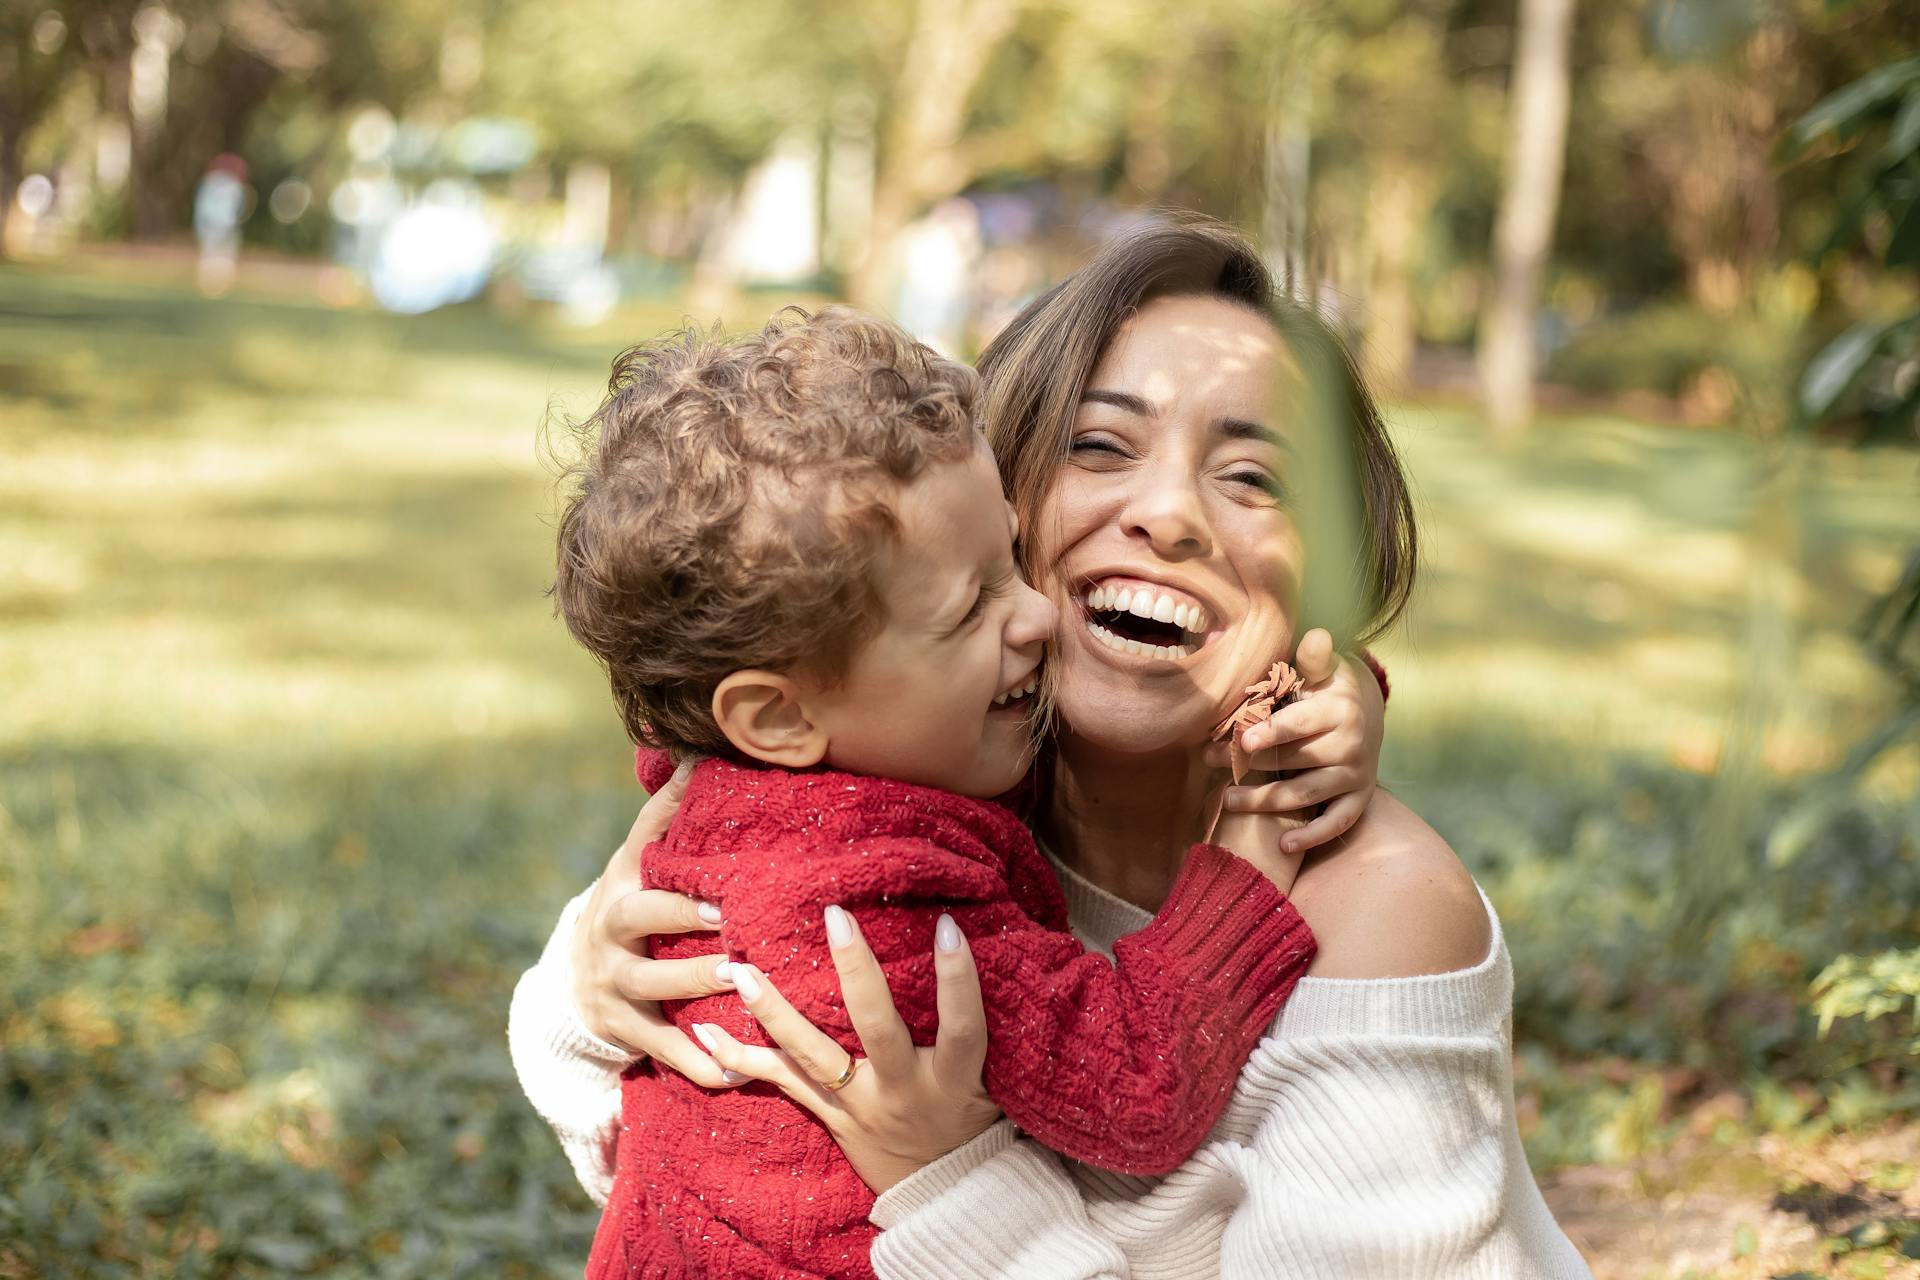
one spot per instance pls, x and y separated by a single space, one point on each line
836 1085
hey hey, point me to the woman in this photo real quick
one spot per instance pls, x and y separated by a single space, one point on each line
1372 1133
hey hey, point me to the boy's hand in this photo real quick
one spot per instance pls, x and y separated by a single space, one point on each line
1257 837
1328 740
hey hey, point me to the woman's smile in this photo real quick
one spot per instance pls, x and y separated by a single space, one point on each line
1135 616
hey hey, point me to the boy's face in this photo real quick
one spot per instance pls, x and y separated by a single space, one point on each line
963 628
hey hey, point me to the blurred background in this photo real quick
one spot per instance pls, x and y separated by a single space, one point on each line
297 769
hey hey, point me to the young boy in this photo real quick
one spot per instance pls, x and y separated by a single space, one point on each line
793 556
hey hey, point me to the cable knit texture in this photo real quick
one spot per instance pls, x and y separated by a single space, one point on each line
1123 1063
1372 1134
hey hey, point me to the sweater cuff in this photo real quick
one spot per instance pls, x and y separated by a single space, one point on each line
1225 927
931 1181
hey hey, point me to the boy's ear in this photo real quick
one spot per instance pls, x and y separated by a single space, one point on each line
763 715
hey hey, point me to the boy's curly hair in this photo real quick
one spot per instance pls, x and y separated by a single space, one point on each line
732 505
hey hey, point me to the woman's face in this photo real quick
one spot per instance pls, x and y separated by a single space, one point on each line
1173 561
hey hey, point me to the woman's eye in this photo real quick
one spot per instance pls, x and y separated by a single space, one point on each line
1258 480
1086 445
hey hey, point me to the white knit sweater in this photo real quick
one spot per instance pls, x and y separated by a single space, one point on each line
1371 1134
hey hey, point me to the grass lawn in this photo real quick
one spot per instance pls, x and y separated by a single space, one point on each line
296 769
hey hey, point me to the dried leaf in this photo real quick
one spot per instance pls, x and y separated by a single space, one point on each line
1280 686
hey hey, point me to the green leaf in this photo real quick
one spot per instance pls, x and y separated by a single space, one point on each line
1904 140
1840 364
1903 250
1844 106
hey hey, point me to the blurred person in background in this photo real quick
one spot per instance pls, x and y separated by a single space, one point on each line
219 207
1132 410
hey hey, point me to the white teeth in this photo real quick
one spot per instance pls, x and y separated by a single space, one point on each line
1163 609
1141 606
1031 685
1180 616
1120 603
999 699
1097 598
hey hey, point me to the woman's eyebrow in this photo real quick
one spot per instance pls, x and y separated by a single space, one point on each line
1120 400
1242 429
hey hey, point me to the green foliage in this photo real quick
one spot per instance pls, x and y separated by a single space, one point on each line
1668 346
1870 987
1879 215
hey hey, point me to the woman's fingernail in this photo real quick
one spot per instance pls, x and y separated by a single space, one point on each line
1236 801
723 972
709 913
683 770
731 1077
1288 844
839 929
704 1034
946 934
746 982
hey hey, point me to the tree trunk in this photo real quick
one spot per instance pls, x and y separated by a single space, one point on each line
1536 154
1396 216
920 161
10 139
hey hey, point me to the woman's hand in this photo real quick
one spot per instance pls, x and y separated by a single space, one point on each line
616 986
1328 741
904 1106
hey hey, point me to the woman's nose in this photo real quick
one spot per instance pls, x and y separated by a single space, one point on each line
1166 511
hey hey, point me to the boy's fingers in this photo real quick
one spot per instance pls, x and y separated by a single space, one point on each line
1314 659
643 913
960 1043
1295 720
883 1036
1289 795
685 979
817 1054
1331 825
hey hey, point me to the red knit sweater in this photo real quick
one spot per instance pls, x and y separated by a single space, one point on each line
1123 1064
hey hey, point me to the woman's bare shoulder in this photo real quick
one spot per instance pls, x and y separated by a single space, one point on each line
1392 900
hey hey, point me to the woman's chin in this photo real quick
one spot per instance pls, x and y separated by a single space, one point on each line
1126 723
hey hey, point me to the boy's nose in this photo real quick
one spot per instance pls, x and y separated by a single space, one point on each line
1035 619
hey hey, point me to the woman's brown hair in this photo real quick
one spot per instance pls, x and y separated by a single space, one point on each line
1034 372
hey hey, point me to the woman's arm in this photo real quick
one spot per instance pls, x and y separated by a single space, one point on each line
570 1075
1039 1224
1372 1132
586 1010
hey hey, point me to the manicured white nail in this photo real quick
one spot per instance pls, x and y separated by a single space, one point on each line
723 972
731 1077
709 913
839 928
946 934
682 771
745 983
704 1034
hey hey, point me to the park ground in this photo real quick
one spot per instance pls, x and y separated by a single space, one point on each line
297 768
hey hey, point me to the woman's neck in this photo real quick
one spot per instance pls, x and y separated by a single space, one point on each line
1125 821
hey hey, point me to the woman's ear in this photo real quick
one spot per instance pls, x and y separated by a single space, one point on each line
764 715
